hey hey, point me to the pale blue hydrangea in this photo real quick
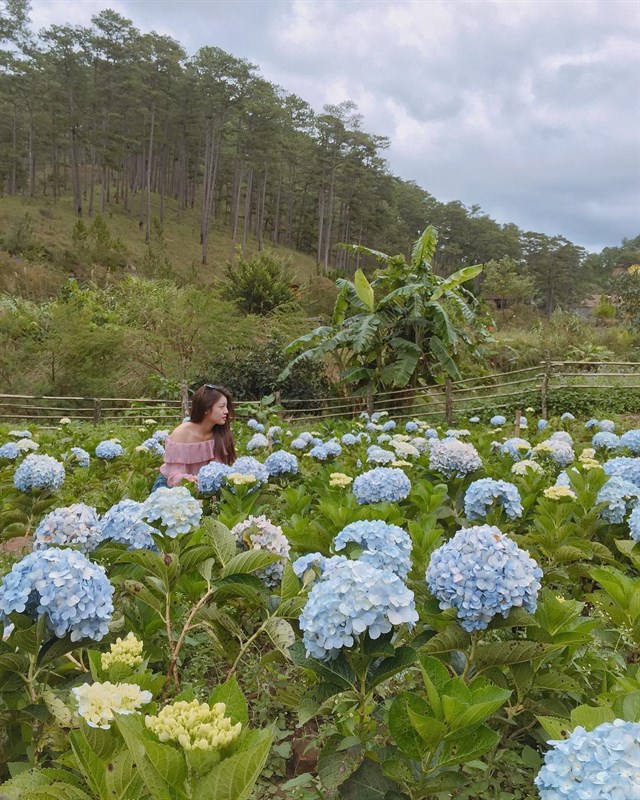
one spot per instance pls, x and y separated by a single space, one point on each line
256 426
567 416
333 448
431 433
389 425
454 433
607 425
378 415
257 442
161 436
411 427
39 472
349 440
602 764
591 423
515 448
175 509
498 421
559 450
274 433
363 438
21 434
80 457
474 420
247 465
563 478
372 427
421 444
109 449
211 477
383 438
483 495
350 599
561 436
75 525
523 422
316 562
380 485
631 441
152 446
382 545
452 457
481 573
319 452
281 463
10 451
73 594
624 467
259 533
123 523
298 443
542 424
634 524
604 440
377 455
619 497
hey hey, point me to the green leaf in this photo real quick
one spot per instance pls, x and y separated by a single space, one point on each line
435 676
431 731
281 634
425 247
124 782
590 717
235 702
555 728
92 766
440 351
336 671
222 540
250 561
364 290
401 728
289 585
453 637
466 748
453 281
368 783
513 652
402 659
485 701
234 778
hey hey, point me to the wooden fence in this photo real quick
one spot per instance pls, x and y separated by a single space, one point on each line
449 401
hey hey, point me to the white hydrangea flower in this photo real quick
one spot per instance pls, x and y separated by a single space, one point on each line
98 702
127 651
194 725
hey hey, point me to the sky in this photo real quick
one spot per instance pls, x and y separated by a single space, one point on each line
528 108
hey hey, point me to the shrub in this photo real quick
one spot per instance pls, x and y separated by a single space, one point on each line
259 285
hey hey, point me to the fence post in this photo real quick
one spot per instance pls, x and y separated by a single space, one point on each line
370 402
517 429
544 389
97 410
184 398
448 402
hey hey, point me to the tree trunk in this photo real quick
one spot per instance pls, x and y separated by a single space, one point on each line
261 216
147 233
247 211
275 236
235 208
327 242
320 225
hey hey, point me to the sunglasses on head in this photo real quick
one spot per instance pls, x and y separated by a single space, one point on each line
211 386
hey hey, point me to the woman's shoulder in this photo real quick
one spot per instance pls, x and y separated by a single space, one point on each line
187 433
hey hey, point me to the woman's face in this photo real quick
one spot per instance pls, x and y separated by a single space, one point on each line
218 412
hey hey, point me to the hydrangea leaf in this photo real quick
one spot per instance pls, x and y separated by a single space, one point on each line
402 659
281 634
369 783
336 671
501 653
431 730
590 717
335 766
93 768
466 748
403 732
244 563
235 702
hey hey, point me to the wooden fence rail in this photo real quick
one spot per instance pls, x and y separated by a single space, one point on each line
448 400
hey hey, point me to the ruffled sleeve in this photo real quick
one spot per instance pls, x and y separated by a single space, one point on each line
182 460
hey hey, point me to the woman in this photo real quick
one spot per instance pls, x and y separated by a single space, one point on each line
206 436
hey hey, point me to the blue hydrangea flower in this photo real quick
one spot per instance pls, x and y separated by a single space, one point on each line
76 525
247 465
631 440
389 425
72 593
431 433
481 573
484 494
604 440
523 422
274 433
602 764
452 457
474 420
454 433
299 443
378 415
350 599
256 426
607 425
516 448
380 485
376 455
634 524
259 533
619 497
316 562
175 509
319 452
161 436
109 449
211 477
542 424
567 416
152 446
624 467
123 523
591 423
411 427
79 457
333 449
257 442
349 440
10 451
39 472
383 546
557 449
498 421
281 463
383 438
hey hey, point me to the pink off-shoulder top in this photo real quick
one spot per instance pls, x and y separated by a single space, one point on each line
183 459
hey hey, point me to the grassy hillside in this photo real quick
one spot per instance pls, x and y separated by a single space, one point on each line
38 272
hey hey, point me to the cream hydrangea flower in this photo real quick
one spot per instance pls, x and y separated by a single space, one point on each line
240 479
24 445
194 725
522 467
338 480
405 450
98 702
127 651
559 493
401 464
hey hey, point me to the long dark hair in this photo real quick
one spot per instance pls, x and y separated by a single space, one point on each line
202 400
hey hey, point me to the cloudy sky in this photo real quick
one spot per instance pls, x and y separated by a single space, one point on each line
528 108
